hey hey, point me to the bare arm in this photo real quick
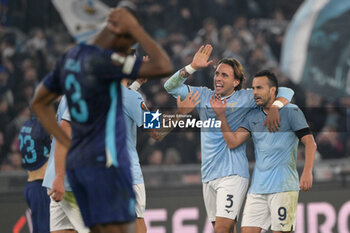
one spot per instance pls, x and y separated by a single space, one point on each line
122 22
42 106
232 139
60 153
310 151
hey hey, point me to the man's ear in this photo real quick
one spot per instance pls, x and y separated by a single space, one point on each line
236 82
273 91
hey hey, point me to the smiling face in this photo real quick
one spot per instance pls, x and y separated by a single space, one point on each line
224 80
264 93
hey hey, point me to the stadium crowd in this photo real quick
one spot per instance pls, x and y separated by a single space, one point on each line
250 31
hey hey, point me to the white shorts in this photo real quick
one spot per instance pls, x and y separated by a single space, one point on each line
140 194
223 197
278 210
65 214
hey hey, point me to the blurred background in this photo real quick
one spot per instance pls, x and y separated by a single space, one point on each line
306 43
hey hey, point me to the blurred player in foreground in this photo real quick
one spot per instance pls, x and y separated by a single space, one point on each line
34 144
273 195
225 173
65 216
98 166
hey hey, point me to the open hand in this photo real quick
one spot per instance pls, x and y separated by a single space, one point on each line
187 105
200 59
218 107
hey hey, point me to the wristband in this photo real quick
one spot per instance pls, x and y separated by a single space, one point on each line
189 69
135 86
278 103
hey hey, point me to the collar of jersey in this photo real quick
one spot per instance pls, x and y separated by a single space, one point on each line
226 97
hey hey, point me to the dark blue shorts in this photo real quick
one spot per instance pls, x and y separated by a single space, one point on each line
39 204
104 195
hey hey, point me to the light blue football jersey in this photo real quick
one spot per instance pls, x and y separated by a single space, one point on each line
218 160
133 114
275 153
50 174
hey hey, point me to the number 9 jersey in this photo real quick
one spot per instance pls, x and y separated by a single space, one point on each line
34 145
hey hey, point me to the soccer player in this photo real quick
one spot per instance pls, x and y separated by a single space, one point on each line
98 166
133 108
34 144
225 173
273 196
65 216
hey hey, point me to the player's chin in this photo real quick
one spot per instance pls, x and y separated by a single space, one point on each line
218 91
259 102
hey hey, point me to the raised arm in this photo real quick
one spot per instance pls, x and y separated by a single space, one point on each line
122 22
41 105
232 139
310 151
175 84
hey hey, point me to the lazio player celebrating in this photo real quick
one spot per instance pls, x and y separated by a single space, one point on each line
225 173
273 195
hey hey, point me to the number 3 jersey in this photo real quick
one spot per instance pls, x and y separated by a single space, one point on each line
34 145
91 83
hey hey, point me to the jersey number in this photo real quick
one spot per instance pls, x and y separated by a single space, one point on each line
282 213
30 148
229 199
80 110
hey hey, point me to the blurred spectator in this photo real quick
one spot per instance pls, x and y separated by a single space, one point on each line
155 158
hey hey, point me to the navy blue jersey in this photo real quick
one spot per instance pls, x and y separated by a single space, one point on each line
91 82
34 144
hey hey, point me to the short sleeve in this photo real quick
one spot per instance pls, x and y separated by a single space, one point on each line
66 115
64 106
296 118
133 106
245 123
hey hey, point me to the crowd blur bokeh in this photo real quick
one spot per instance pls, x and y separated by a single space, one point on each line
33 37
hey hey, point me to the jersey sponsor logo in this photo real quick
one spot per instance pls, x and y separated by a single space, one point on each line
151 120
229 211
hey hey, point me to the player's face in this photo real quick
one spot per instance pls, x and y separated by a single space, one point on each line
262 91
224 81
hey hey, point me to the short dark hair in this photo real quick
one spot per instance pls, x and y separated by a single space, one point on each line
237 70
273 82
